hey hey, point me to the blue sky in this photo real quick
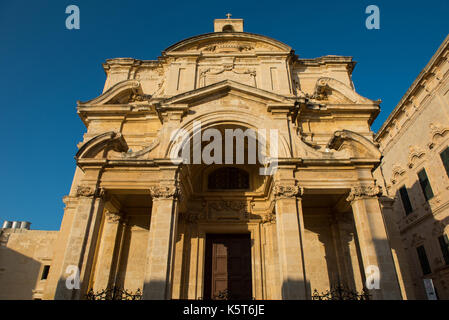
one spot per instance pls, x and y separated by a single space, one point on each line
46 68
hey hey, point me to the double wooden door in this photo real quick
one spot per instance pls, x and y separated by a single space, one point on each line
228 267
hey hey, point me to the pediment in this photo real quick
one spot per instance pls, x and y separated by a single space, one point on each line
121 93
354 145
333 91
227 91
234 42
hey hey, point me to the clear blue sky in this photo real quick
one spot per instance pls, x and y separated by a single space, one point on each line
45 68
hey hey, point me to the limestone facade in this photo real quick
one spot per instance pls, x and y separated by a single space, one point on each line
139 216
411 140
24 255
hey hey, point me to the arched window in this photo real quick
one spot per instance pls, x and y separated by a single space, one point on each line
228 178
228 28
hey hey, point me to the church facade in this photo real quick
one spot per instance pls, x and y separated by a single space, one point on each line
153 207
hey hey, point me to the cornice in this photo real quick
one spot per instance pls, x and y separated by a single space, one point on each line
227 36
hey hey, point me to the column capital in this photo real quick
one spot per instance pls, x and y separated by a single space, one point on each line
360 192
89 191
284 190
165 192
113 217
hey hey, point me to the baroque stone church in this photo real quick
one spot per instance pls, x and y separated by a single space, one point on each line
141 217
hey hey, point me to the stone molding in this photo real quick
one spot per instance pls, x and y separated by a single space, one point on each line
360 192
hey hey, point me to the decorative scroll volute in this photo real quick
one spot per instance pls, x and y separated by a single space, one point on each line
360 192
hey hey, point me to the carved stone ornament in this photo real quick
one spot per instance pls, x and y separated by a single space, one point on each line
269 218
417 240
136 97
359 192
227 46
438 228
113 217
227 209
85 191
287 191
164 192
415 153
437 131
193 217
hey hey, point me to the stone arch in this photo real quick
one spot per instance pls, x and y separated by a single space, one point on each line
228 28
240 118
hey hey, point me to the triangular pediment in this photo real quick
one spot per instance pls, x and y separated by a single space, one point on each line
226 89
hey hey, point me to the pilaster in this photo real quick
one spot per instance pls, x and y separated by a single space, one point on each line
161 243
373 242
290 230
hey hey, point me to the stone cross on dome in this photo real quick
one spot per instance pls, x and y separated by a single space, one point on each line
228 16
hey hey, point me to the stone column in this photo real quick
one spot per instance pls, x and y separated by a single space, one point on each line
290 230
80 246
161 243
373 242
104 272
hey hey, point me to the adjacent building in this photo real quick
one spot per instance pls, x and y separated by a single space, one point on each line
414 142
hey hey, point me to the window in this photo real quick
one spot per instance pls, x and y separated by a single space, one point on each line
425 184
445 158
444 245
45 272
425 266
405 200
228 178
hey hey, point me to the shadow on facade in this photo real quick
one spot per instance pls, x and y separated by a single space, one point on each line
19 275
407 232
294 290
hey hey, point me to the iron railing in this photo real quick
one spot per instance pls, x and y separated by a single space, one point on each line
340 292
114 293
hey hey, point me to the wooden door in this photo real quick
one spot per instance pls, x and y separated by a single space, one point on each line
228 267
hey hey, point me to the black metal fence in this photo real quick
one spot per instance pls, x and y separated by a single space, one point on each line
114 293
340 292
